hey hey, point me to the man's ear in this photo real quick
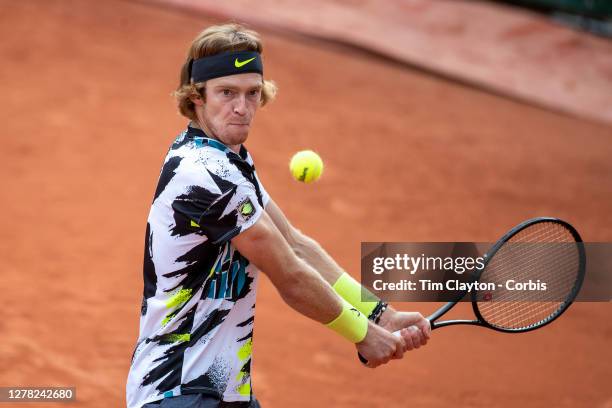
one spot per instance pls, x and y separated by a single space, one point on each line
197 100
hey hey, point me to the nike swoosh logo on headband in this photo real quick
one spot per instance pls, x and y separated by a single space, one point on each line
239 64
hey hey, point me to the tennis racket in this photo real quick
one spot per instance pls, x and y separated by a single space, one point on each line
545 249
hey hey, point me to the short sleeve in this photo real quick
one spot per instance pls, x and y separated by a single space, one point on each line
265 197
220 216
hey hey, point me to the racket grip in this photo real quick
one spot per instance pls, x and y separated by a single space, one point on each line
363 359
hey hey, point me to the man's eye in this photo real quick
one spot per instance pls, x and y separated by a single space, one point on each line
254 92
227 92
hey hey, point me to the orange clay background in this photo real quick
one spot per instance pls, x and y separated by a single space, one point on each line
86 118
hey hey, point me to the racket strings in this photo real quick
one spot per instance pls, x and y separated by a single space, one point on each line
536 307
527 260
545 251
555 262
516 312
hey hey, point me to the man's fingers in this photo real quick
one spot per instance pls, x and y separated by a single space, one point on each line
421 339
407 336
414 337
415 334
425 328
400 346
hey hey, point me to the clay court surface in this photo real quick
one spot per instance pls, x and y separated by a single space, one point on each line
87 118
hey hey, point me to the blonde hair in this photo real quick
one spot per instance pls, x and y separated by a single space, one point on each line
212 41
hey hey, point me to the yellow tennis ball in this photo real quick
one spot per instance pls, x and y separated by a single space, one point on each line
306 166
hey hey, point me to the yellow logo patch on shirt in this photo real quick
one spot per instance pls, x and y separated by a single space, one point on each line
246 209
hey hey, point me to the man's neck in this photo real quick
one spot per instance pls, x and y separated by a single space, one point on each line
194 124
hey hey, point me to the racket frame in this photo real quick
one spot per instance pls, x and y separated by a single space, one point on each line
480 321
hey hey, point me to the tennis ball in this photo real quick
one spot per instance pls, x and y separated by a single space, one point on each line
306 166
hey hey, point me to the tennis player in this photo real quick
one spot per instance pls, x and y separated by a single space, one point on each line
211 227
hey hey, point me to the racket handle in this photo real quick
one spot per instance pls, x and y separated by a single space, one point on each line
362 358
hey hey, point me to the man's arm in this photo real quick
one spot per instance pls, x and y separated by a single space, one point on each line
300 287
304 290
305 247
313 254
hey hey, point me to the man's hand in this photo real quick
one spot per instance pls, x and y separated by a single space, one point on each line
380 346
415 329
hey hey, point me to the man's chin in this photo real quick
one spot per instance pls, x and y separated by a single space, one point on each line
236 138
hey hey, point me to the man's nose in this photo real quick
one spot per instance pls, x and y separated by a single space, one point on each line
240 105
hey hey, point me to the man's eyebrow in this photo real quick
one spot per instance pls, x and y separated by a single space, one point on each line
232 86
225 86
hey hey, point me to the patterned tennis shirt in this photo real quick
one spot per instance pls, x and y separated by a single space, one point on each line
196 324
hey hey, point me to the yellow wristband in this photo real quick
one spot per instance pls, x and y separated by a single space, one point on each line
350 290
350 324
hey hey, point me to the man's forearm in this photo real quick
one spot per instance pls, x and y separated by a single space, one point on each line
301 287
314 255
305 247
347 287
310 252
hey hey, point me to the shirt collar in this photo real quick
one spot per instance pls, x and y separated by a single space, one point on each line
193 132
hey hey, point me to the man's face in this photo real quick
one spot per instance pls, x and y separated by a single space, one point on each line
230 106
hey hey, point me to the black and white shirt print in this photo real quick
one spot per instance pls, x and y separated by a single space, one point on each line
197 316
